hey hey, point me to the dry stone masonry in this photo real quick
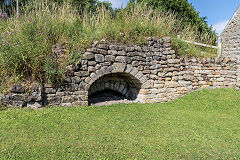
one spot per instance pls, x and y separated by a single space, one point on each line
230 38
152 73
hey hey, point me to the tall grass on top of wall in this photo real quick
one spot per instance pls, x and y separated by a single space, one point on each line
135 23
26 43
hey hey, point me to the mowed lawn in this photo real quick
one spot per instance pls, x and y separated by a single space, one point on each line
201 125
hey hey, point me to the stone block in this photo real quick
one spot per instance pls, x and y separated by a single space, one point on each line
140 68
82 73
184 83
98 66
48 86
129 49
145 91
114 47
84 62
91 69
89 80
94 76
99 58
167 39
69 73
221 79
109 70
172 84
34 105
134 71
103 46
143 79
148 84
69 99
17 88
110 58
66 104
83 86
112 52
50 90
18 104
205 86
139 75
88 56
138 48
188 77
100 51
119 67
99 72
92 63
122 59
17 97
173 61
76 79
135 63
60 93
36 94
128 68
80 103
54 100
121 53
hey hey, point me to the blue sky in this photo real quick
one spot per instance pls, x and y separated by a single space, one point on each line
218 12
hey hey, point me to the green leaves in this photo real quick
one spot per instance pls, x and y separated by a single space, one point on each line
187 14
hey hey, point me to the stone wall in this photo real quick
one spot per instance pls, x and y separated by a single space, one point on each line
230 37
147 74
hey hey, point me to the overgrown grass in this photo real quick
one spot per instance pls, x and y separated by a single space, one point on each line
191 50
26 43
202 125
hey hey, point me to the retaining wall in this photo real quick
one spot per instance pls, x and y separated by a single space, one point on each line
152 73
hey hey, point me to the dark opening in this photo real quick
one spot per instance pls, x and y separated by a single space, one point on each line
105 96
114 87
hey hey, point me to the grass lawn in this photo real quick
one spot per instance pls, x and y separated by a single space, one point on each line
201 125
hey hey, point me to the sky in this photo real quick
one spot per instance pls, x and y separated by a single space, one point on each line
218 12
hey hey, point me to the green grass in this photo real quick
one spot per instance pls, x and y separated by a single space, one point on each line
191 50
201 125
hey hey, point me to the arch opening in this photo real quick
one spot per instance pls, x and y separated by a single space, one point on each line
114 88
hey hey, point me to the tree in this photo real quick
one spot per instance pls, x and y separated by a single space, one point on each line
184 11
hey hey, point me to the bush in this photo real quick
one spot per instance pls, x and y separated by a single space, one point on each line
188 16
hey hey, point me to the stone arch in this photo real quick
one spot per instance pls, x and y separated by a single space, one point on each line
115 68
121 78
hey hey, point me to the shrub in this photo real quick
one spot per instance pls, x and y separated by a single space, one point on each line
187 14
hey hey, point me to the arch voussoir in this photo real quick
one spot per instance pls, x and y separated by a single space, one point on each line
118 67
